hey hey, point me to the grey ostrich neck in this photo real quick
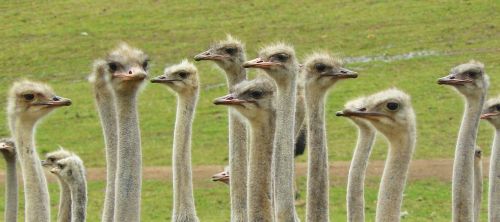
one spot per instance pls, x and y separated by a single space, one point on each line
64 213
37 200
317 170
184 208
463 165
393 181
11 188
478 186
260 177
283 155
129 163
494 179
79 199
238 151
357 172
107 113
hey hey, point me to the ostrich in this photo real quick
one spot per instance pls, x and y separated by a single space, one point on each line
223 176
72 171
469 80
254 100
280 63
321 71
28 102
128 68
183 80
64 214
357 171
8 149
391 113
229 55
478 183
107 112
491 113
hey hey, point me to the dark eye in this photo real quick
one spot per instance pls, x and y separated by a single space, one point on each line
145 65
183 75
60 166
29 96
472 74
320 67
51 159
256 94
497 107
392 106
113 66
230 51
282 57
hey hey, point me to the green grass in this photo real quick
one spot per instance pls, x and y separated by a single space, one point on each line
427 200
42 41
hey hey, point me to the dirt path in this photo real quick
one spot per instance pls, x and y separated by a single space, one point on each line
440 169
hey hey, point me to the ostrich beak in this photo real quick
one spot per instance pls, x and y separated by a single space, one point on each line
44 163
342 73
163 79
258 63
4 146
489 115
360 114
55 102
54 170
228 100
208 55
134 74
452 80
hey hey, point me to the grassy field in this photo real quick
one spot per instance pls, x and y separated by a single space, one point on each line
427 200
55 42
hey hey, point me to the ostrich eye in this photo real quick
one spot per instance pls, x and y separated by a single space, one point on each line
282 57
60 165
392 106
472 74
256 94
230 51
497 107
320 67
51 159
29 96
113 66
183 75
145 65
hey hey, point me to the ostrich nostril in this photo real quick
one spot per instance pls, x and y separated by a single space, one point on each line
162 77
259 61
55 98
130 72
452 77
362 109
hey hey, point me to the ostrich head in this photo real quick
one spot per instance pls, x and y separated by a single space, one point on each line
356 105
469 79
31 101
8 147
70 168
54 156
322 70
389 111
491 112
127 68
222 176
229 54
181 78
278 61
252 99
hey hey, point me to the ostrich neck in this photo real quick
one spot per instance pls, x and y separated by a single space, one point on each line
478 187
129 166
317 181
390 194
79 200
260 177
37 202
64 214
183 185
357 172
283 155
494 178
235 76
11 190
107 113
463 165
237 153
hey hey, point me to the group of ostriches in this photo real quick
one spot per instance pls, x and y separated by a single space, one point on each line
272 110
